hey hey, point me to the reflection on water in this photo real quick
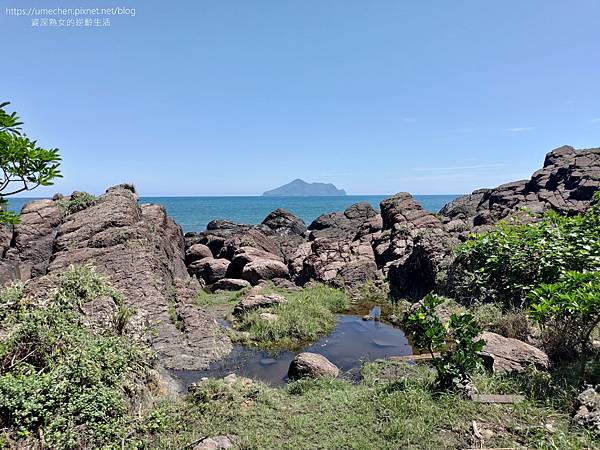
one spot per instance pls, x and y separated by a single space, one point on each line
353 340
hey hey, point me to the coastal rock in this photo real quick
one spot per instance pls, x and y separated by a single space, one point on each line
264 269
250 238
230 284
566 184
413 247
342 226
254 301
209 269
34 237
141 251
286 230
248 255
507 355
312 365
284 223
340 262
197 252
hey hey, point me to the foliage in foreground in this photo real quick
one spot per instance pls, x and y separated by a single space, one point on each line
504 265
59 381
457 341
308 314
24 166
569 310
392 407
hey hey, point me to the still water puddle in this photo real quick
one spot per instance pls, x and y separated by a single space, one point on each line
351 342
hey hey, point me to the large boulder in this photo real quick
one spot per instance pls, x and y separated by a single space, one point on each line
283 222
342 226
507 355
264 269
254 264
209 269
250 238
312 365
286 230
197 252
340 262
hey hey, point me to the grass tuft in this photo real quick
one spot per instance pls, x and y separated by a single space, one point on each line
308 314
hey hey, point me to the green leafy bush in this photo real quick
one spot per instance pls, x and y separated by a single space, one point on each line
24 166
60 380
458 342
507 263
78 201
569 310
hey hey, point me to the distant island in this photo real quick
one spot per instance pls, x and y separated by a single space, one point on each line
300 188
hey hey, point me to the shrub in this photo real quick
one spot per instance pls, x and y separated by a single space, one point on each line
58 378
78 201
507 263
571 309
458 341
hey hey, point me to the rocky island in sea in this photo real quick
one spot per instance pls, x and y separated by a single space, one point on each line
300 188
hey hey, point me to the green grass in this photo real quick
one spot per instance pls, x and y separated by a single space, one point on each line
391 408
206 298
308 314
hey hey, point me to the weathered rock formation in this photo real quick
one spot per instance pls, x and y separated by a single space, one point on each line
141 250
566 183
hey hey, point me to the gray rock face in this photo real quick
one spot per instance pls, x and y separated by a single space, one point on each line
507 355
283 222
340 262
566 183
312 365
141 251
413 246
344 225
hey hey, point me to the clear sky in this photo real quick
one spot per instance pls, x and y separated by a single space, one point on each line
226 97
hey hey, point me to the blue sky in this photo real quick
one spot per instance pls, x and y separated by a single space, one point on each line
227 97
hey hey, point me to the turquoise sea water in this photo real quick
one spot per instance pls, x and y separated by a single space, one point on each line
193 213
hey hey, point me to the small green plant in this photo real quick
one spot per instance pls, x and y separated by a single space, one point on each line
571 309
457 341
78 201
80 284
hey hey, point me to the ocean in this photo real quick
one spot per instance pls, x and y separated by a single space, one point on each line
193 213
